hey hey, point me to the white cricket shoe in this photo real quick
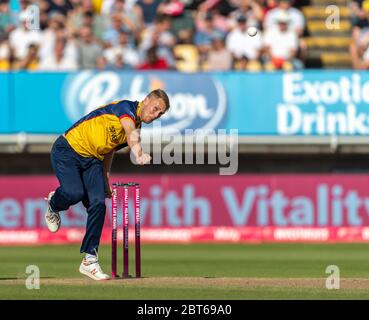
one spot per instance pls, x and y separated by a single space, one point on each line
52 218
92 269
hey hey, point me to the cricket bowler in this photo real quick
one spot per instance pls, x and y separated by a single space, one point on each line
82 158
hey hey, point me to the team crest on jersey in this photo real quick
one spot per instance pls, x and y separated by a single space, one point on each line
113 135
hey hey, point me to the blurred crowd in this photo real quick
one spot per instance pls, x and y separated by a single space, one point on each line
185 35
359 48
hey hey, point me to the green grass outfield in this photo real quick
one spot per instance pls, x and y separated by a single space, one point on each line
210 271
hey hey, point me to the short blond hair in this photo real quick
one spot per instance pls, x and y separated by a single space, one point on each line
160 94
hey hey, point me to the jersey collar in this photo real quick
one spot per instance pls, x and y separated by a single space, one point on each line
138 111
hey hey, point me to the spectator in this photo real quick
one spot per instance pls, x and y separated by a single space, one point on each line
269 5
23 5
123 31
5 54
128 54
146 10
60 6
120 6
111 34
193 5
87 5
302 3
83 15
359 49
182 26
173 8
107 7
130 18
153 61
101 63
71 40
251 10
6 21
95 22
158 35
58 60
359 17
89 49
120 64
21 38
71 46
74 3
222 7
246 50
30 61
55 24
297 20
203 36
74 21
358 12
219 58
282 45
44 17
219 21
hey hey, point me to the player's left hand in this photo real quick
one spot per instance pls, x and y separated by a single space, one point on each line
143 159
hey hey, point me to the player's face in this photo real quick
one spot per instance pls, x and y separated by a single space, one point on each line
153 110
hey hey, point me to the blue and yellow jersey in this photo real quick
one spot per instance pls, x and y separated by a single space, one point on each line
100 131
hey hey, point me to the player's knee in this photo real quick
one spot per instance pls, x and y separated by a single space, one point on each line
74 197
